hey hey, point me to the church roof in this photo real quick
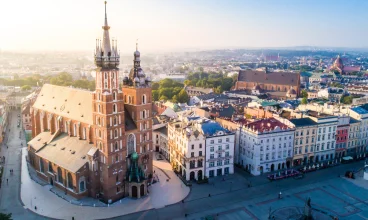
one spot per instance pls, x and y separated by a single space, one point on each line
67 102
65 151
277 78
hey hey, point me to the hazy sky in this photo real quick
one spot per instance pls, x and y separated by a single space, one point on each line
163 25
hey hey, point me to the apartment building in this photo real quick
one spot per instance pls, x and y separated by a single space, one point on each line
353 140
266 145
361 114
342 135
324 149
304 140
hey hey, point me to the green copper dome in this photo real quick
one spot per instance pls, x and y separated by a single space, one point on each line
134 156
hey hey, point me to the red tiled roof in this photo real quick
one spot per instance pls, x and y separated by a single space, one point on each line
266 125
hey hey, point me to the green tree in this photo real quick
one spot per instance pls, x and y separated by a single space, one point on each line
218 90
155 95
174 99
163 98
304 94
304 101
346 100
26 87
4 216
183 96
155 86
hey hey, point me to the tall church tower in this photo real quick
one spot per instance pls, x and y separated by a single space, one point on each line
108 120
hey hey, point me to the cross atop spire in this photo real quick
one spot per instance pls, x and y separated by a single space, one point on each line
136 45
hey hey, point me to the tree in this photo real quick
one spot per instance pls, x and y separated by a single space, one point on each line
4 216
346 100
174 99
26 87
163 98
183 96
304 94
218 90
155 95
304 101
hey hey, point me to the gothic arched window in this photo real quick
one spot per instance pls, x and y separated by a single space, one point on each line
114 108
116 133
116 146
115 120
143 99
131 144
70 181
114 95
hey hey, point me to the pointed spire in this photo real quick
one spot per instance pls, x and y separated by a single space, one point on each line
105 15
136 45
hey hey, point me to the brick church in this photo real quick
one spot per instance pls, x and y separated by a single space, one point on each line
96 144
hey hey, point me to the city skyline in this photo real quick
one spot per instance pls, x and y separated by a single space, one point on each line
166 26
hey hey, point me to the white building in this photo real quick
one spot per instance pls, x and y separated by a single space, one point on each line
266 145
361 114
219 149
160 141
194 141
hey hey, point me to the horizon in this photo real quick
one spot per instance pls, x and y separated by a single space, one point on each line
164 26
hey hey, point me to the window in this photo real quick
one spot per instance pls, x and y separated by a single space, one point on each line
192 146
114 95
82 185
200 153
70 181
116 146
143 99
131 144
227 161
227 147
212 156
219 163
227 139
42 169
200 145
192 154
212 141
115 120
220 140
59 175
212 164
50 168
219 155
227 154
219 147
114 108
306 149
212 149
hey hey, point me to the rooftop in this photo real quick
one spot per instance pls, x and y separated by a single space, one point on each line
279 78
211 128
301 122
267 124
318 114
359 110
65 151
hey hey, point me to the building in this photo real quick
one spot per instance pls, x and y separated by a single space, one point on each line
305 140
332 94
339 67
196 91
220 144
266 145
342 135
96 144
187 148
353 141
277 84
361 114
160 141
324 148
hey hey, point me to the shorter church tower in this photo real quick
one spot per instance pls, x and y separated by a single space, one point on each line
138 114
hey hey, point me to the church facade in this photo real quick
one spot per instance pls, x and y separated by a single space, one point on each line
99 143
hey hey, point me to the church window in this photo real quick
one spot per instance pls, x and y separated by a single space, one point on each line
116 133
99 96
99 133
143 114
42 169
115 120
59 175
100 146
129 99
114 108
84 133
144 99
98 121
131 144
82 184
99 108
70 181
114 95
116 146
75 130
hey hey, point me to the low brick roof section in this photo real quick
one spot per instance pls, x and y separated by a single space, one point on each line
67 102
65 151
278 78
301 122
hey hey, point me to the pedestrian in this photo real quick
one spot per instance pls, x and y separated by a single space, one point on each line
6 181
36 208
280 195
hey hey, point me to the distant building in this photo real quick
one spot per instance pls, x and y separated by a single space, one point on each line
196 91
339 67
277 84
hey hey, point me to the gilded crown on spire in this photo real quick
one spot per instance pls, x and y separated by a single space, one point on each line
106 54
